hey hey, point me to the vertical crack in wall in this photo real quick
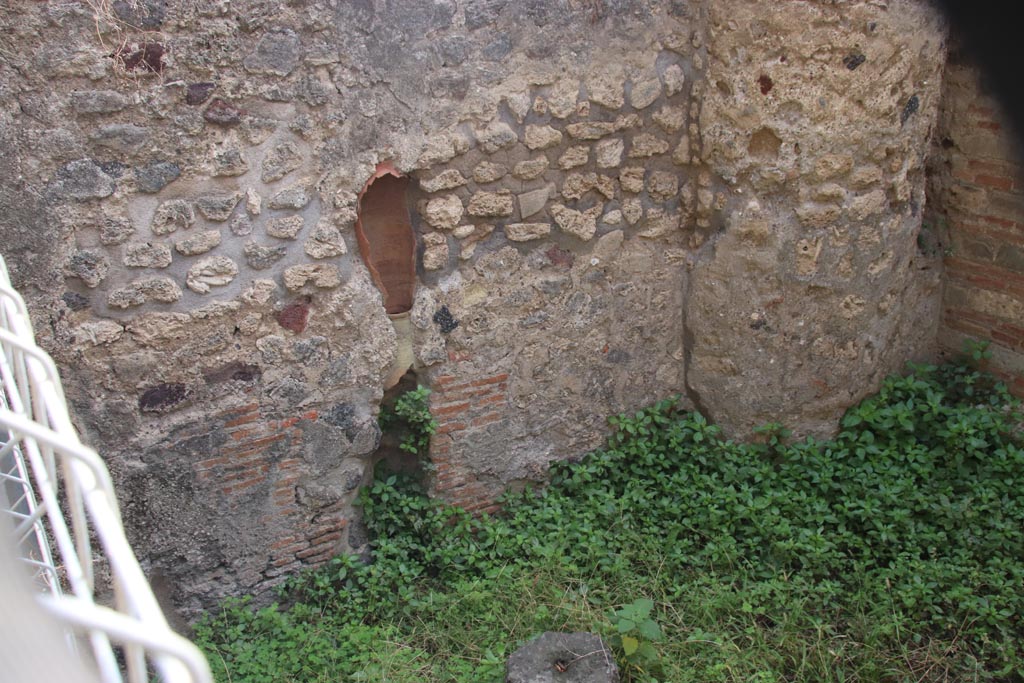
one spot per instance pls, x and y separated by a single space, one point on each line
703 255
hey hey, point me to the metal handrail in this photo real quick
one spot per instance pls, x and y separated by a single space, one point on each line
62 501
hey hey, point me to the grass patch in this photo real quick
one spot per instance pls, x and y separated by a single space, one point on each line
894 552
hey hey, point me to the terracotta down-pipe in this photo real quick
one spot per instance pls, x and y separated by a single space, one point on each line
388 247
385 236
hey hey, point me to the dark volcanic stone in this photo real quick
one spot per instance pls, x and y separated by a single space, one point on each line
161 397
154 177
222 113
198 93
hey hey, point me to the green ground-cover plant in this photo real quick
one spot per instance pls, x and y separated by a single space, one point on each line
410 417
893 552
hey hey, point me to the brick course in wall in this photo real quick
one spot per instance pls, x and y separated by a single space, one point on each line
977 197
260 458
462 405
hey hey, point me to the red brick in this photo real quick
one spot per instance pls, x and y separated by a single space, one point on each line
239 410
487 419
989 125
244 419
450 410
491 380
255 443
283 543
328 538
242 486
451 427
313 552
997 182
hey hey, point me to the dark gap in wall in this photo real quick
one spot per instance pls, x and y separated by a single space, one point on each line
386 239
389 454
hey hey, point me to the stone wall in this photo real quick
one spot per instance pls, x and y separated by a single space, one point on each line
613 202
976 200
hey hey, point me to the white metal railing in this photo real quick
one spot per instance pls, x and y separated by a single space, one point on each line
60 498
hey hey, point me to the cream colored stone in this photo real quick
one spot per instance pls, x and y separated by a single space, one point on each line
581 224
608 153
561 100
632 179
674 79
807 253
97 332
435 256
605 185
605 85
542 137
171 215
463 231
150 329
325 241
645 92
488 172
663 186
613 217
495 136
259 292
833 165
285 227
865 176
444 213
524 232
213 271
199 243
573 157
578 184
870 204
253 202
590 130
670 119
217 309
321 275
530 169
446 180
818 215
647 145
491 204
829 192
147 255
632 210
681 154
659 223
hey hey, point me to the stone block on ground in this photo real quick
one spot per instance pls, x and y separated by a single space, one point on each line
564 657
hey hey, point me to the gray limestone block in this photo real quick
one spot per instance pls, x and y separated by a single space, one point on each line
294 197
217 207
171 215
281 160
147 255
562 657
97 101
277 54
82 180
88 266
154 177
262 257
122 137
